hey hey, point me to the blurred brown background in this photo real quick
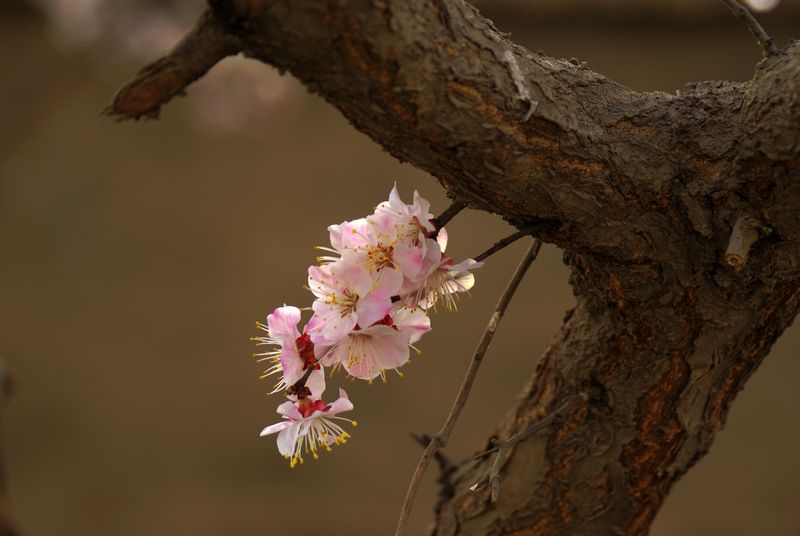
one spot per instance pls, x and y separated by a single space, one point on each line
136 258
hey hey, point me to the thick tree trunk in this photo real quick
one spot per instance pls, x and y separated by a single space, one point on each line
679 216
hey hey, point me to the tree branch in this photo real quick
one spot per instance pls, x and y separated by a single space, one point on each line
451 212
202 48
755 28
645 187
439 440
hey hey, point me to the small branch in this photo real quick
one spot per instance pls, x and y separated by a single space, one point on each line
199 50
753 25
447 469
507 241
746 232
6 389
446 465
502 446
439 440
442 219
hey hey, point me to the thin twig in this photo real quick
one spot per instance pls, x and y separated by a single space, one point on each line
753 25
439 440
6 389
510 239
447 468
502 446
445 464
442 219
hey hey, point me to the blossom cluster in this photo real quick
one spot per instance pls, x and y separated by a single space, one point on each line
373 290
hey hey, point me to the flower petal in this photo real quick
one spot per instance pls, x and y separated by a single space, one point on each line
277 427
282 324
341 404
316 383
287 439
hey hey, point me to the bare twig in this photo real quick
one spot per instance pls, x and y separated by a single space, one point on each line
447 468
510 239
439 440
446 465
753 25
450 213
6 389
746 232
199 50
502 446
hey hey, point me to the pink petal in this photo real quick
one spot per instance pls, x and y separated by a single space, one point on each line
441 239
352 276
287 439
387 282
394 200
330 325
316 383
371 308
467 264
459 282
329 356
277 427
421 209
282 323
289 410
409 259
385 348
392 350
341 404
413 322
335 234
357 234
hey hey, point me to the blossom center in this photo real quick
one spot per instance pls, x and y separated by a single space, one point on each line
380 256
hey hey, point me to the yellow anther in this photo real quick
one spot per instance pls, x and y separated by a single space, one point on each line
354 423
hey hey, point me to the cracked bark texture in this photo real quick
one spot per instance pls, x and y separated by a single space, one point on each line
641 190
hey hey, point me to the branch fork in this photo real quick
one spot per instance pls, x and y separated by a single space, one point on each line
503 446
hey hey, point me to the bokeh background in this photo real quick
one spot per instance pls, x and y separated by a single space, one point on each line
135 259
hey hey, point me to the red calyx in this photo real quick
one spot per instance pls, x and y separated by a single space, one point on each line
385 321
306 350
307 407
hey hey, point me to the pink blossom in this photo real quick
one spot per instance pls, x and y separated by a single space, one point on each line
309 425
290 353
407 224
369 352
443 283
347 295
382 254
440 279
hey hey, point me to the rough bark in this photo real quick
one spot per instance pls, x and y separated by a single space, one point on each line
641 190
